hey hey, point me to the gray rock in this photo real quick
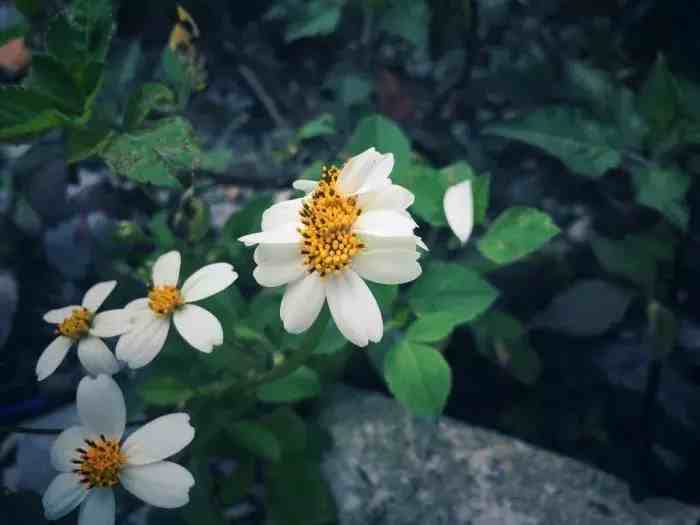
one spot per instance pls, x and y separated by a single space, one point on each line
388 468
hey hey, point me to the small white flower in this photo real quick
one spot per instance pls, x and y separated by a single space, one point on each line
458 204
150 316
81 324
352 225
92 459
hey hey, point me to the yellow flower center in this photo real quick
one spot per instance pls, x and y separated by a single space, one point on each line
329 244
77 325
99 462
163 300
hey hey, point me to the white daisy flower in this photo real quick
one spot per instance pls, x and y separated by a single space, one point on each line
151 316
458 204
352 225
92 459
82 325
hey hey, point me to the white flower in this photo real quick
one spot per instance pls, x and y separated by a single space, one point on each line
92 459
458 204
81 324
352 225
150 316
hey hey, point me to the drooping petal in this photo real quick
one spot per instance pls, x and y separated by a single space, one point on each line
101 406
277 253
141 345
59 314
385 223
207 281
137 305
458 204
281 214
307 186
392 197
284 235
302 302
110 323
53 356
166 269
199 327
163 484
96 357
354 308
159 439
99 508
63 495
63 449
387 266
277 274
97 295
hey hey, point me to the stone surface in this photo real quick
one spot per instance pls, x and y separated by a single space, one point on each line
388 468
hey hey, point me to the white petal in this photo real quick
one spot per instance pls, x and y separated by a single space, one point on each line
207 281
63 495
366 172
96 357
354 308
159 439
141 345
280 214
59 314
163 484
53 356
421 244
110 323
307 186
276 253
387 266
166 269
198 327
101 406
392 197
458 204
285 235
279 274
99 508
379 242
302 302
137 305
97 295
385 223
63 449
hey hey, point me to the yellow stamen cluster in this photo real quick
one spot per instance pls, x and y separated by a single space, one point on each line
327 219
77 325
164 300
99 462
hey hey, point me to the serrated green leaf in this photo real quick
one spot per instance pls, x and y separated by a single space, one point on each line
515 233
664 189
584 145
383 134
303 383
419 377
255 438
148 98
164 391
432 328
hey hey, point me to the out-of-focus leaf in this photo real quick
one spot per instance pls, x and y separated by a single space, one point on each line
16 30
434 327
303 383
201 509
240 482
165 391
148 98
83 143
8 298
408 20
383 134
255 438
350 88
629 257
29 8
177 75
664 190
290 429
515 233
25 113
316 18
322 125
659 99
663 328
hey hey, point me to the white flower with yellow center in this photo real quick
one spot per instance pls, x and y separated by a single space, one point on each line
352 225
150 316
93 459
82 325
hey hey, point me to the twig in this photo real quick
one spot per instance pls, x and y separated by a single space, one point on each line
260 92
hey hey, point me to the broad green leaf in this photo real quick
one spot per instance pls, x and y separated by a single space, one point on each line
291 430
255 438
49 77
515 233
148 98
350 88
317 18
451 289
164 391
96 19
519 358
156 154
432 328
496 323
303 383
408 20
383 134
88 141
322 125
627 257
584 145
664 189
659 99
419 377
66 41
25 113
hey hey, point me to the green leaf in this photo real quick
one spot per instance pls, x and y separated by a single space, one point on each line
451 289
419 377
322 125
664 189
202 509
148 98
156 154
90 141
407 20
240 482
177 75
515 233
432 328
25 113
246 220
255 438
317 18
29 8
659 99
383 134
628 257
303 383
290 429
584 145
164 391
49 77
66 41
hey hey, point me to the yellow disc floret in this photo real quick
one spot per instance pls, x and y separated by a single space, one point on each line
77 325
99 462
164 300
327 220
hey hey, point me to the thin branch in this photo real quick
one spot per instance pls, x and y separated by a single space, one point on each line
266 99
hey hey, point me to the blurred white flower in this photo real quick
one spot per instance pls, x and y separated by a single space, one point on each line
458 204
352 225
81 324
92 459
150 316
